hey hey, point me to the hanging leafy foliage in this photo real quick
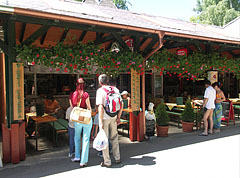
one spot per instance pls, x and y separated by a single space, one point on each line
89 59
192 66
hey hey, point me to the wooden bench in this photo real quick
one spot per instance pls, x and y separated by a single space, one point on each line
60 126
178 116
124 123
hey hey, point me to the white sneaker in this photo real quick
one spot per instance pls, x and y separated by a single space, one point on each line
75 159
70 155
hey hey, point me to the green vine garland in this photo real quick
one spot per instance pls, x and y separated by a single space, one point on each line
192 66
89 58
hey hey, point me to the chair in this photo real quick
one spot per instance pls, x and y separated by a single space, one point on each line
179 100
228 112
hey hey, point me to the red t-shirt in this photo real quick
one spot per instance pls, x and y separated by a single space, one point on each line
75 98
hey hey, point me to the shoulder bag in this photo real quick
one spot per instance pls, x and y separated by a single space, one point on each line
80 115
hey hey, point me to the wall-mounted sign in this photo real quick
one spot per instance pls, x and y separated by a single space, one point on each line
18 91
130 44
213 76
135 90
115 47
182 52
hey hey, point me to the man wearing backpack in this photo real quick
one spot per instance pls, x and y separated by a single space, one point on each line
109 102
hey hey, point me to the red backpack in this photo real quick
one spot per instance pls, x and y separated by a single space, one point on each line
113 102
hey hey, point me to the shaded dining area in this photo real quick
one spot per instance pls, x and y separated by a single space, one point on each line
50 51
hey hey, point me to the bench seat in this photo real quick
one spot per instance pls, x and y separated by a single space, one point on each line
178 116
58 128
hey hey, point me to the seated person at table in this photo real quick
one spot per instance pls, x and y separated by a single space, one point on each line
126 103
51 105
126 100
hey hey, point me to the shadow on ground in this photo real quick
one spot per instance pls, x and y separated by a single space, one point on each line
131 154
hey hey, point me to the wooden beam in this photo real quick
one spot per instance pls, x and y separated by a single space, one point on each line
43 29
83 34
109 46
22 32
63 24
43 38
136 43
64 35
207 48
4 46
150 46
120 41
176 45
104 39
232 54
222 49
143 41
99 35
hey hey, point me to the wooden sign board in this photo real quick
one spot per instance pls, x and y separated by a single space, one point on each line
18 91
135 90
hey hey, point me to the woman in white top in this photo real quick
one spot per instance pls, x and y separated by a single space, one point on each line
209 104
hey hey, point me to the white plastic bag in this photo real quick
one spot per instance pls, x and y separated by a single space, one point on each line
101 141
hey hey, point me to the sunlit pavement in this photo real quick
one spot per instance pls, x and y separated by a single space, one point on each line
184 155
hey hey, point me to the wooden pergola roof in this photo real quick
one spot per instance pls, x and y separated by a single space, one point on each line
41 24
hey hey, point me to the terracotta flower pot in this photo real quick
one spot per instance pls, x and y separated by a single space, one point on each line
187 126
162 131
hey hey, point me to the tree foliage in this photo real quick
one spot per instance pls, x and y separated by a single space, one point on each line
216 12
120 4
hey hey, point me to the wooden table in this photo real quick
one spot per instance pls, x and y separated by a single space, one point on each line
39 120
172 105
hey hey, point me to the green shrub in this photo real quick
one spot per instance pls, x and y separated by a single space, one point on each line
162 117
188 113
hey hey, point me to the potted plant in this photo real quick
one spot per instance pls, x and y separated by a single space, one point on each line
162 120
188 117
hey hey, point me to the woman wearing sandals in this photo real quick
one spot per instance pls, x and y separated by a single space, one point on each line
217 113
80 96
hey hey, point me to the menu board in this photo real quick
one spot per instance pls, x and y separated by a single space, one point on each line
18 91
135 90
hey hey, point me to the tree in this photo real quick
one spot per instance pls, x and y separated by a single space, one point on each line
216 12
120 4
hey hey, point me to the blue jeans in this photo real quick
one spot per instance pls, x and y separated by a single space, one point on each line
86 129
71 132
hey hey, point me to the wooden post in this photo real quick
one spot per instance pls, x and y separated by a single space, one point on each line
2 90
15 152
143 99
6 145
10 36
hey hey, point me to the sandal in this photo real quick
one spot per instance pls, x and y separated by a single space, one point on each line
202 134
104 165
118 161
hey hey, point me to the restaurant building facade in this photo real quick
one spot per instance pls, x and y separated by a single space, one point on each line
42 24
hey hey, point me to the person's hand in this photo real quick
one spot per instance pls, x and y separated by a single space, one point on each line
118 121
101 125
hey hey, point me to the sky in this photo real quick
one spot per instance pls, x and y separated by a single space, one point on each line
178 9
